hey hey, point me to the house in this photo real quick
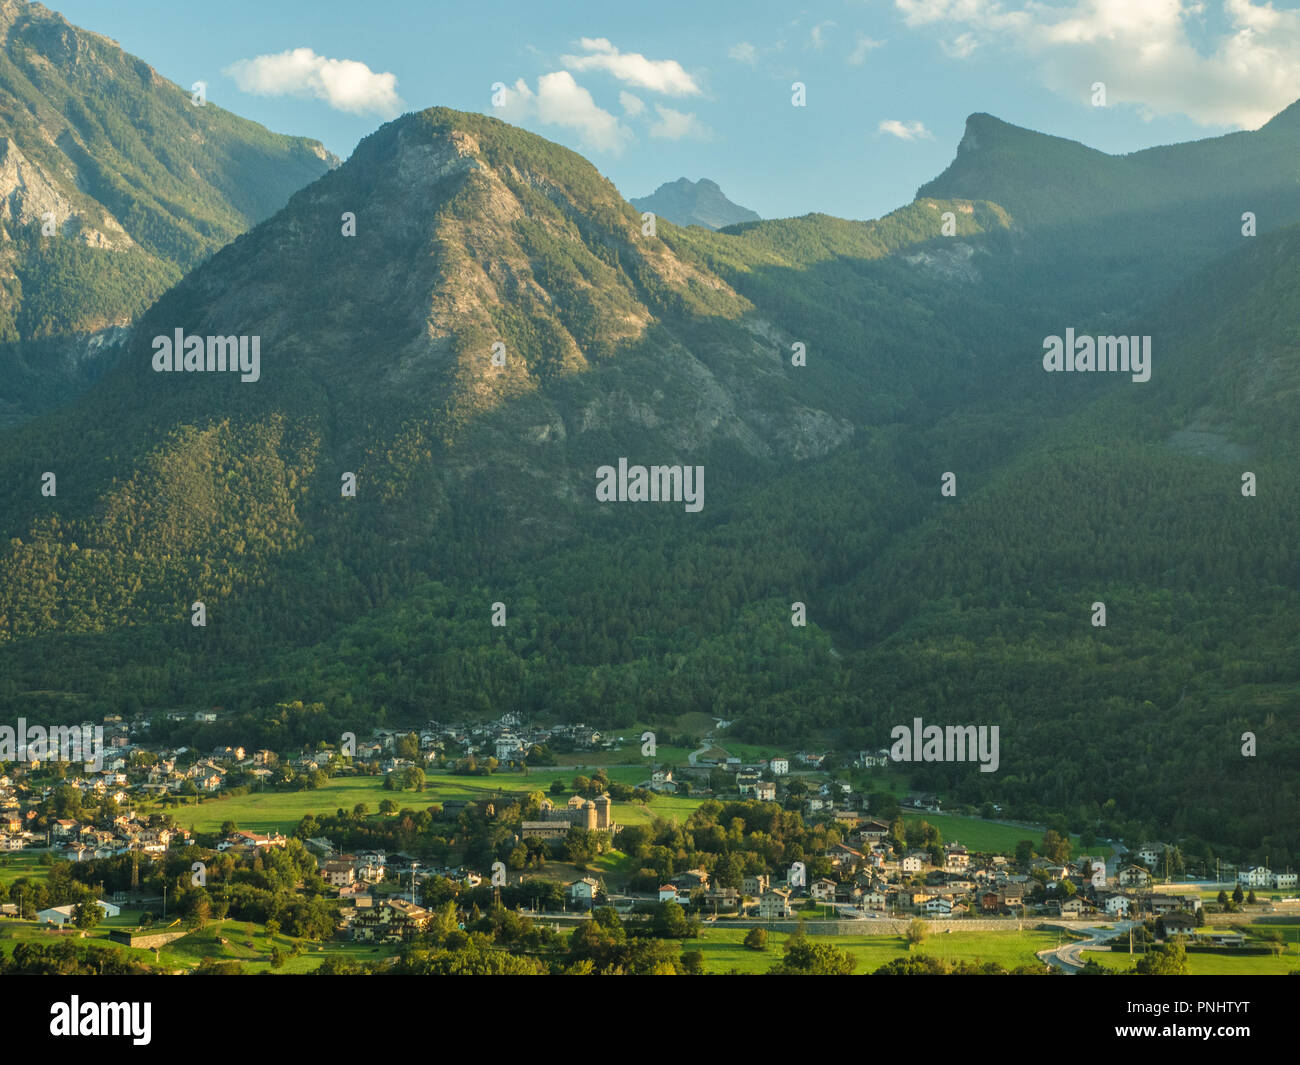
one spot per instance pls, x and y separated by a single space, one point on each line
1150 854
1256 877
1175 924
1133 876
822 890
1093 870
1071 907
873 831
747 782
779 766
755 885
774 903
765 791
1164 903
392 921
1117 905
338 874
582 893
691 880
913 860
938 907
873 900
668 893
1285 880
990 901
661 780
956 858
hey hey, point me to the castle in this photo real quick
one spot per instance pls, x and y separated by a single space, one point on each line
595 815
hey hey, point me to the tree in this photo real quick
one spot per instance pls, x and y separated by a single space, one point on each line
1237 895
670 922
1169 959
1223 899
558 787
756 939
1024 851
1056 846
803 957
916 932
693 962
387 807
87 914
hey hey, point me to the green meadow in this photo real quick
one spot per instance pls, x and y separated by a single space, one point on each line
724 949
1210 964
280 811
991 836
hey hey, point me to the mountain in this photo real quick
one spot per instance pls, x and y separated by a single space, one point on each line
476 484
112 185
1135 225
694 203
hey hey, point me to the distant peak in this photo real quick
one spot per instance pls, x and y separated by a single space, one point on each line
700 203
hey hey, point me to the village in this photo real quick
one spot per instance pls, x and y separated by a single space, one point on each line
542 851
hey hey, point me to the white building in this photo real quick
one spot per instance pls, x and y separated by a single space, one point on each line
1117 906
583 892
780 766
61 915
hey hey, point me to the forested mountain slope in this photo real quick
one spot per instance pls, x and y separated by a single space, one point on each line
476 484
113 183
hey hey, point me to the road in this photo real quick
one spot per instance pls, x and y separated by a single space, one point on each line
1069 956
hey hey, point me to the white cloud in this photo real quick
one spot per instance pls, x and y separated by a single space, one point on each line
1144 51
744 52
658 75
817 37
632 105
345 84
907 131
960 47
859 54
561 101
674 125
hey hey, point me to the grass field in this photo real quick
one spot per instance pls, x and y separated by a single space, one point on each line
15 865
979 835
280 811
245 942
724 951
1210 964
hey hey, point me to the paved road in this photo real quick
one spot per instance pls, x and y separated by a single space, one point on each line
1069 956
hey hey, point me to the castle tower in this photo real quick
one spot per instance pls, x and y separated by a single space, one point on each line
589 815
603 806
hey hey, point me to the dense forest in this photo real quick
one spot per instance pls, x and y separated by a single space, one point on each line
824 488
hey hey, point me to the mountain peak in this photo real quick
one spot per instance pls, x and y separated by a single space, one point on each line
1286 120
694 203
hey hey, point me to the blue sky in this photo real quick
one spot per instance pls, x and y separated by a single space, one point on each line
693 89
